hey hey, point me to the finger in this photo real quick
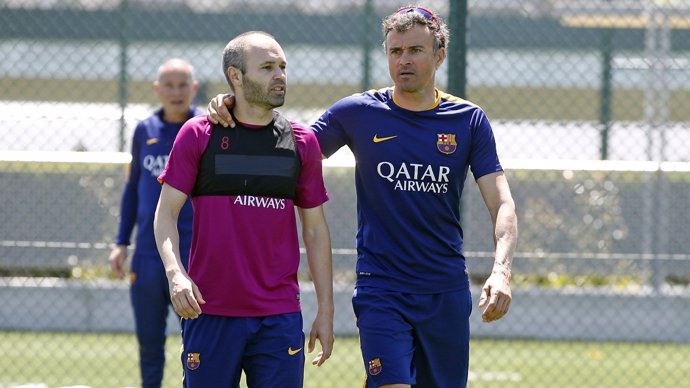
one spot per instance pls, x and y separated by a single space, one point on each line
192 307
120 269
115 268
183 304
503 306
490 311
197 295
224 109
483 298
317 360
213 115
214 119
179 308
312 341
228 101
326 350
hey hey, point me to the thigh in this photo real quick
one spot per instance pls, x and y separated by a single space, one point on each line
275 355
150 298
212 351
386 337
148 280
442 336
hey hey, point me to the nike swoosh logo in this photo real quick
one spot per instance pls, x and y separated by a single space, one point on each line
378 139
152 140
293 352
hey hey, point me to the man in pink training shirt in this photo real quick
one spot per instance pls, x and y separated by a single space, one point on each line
240 297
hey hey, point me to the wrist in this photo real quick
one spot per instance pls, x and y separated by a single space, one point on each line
502 269
325 308
170 273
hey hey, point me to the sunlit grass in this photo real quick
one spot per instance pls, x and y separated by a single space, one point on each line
106 360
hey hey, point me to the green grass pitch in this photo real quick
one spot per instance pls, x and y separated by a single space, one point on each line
105 360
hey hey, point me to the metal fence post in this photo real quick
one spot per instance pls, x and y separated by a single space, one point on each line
606 75
122 86
367 34
457 52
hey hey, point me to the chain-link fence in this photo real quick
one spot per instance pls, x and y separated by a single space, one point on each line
590 103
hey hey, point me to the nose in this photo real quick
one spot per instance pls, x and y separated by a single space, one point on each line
405 59
279 74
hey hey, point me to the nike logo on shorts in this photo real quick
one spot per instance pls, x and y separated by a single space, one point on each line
378 139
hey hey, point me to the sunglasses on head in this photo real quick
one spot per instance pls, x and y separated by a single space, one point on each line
428 15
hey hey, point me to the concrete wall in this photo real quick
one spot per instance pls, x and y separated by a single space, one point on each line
577 314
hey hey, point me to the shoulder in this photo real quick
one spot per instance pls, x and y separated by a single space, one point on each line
367 98
197 123
451 102
151 121
451 106
197 127
303 134
306 141
148 127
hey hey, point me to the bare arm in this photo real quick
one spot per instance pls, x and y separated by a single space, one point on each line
184 294
317 241
496 294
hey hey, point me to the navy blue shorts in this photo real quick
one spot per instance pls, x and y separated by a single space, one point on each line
270 351
416 339
150 299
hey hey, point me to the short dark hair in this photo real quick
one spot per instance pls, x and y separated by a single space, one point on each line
234 54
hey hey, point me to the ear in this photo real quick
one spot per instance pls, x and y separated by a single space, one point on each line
235 76
440 57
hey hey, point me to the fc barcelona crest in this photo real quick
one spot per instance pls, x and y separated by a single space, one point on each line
446 143
375 366
193 361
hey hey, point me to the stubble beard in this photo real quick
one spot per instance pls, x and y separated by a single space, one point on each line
257 94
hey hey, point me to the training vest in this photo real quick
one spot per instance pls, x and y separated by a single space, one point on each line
250 161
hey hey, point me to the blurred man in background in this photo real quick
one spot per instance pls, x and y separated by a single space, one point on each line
152 141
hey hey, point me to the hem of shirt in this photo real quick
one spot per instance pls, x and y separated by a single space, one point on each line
383 283
251 313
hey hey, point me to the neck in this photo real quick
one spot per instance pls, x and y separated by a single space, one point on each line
252 114
415 101
170 117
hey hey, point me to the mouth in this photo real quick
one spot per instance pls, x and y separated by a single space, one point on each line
406 73
278 89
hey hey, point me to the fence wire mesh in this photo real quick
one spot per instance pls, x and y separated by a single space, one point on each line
590 104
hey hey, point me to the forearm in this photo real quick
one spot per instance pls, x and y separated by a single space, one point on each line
128 215
168 241
319 257
505 237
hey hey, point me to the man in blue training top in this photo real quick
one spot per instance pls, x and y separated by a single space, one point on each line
413 145
152 141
